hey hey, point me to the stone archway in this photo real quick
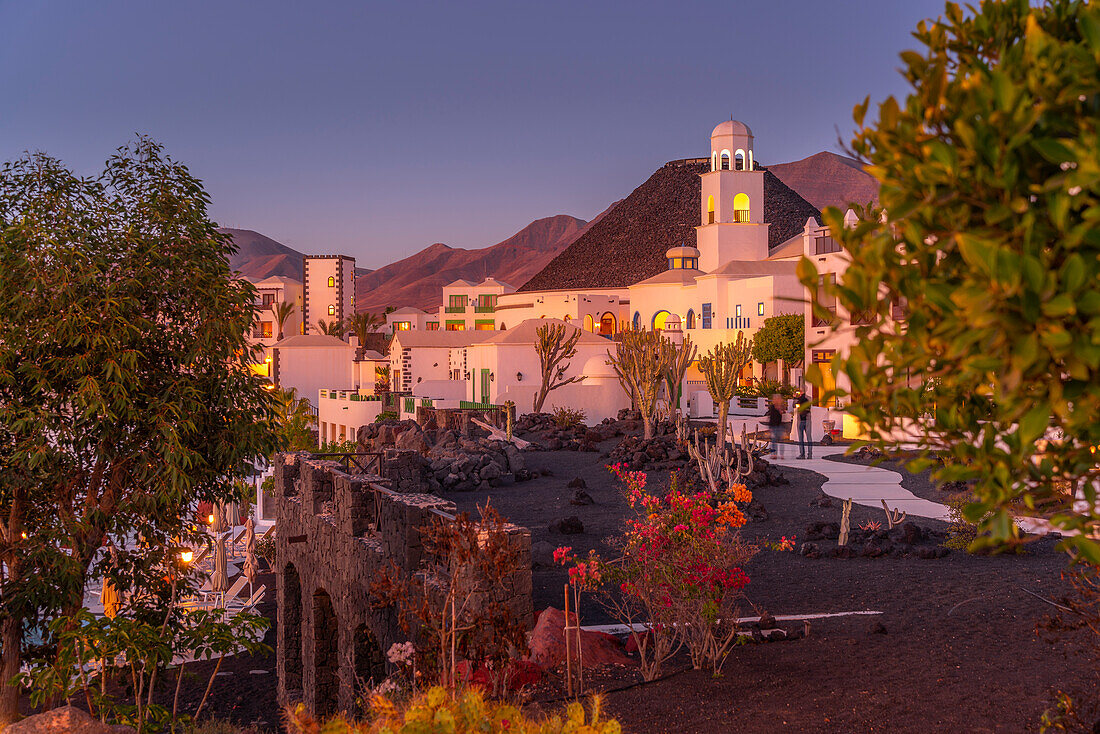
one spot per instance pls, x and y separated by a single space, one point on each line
370 664
607 324
326 661
290 628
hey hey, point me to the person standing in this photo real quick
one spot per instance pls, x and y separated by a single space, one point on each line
775 424
802 425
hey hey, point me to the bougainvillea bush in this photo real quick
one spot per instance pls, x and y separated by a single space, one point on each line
678 570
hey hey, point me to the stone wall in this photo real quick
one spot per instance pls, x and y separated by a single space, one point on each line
334 532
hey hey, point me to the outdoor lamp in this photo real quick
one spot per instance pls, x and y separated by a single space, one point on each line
210 519
187 556
519 377
492 377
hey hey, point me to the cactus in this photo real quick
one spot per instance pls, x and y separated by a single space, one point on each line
893 517
678 359
640 362
845 522
721 368
554 346
716 464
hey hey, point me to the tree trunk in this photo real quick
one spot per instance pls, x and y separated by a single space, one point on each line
723 416
11 637
647 422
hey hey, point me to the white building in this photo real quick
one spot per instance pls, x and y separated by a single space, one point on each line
411 318
507 367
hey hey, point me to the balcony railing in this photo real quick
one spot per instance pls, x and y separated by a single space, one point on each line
484 309
455 309
741 216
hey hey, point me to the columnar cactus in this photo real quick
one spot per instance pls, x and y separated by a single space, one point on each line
721 368
640 363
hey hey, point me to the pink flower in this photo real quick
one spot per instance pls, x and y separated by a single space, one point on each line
561 555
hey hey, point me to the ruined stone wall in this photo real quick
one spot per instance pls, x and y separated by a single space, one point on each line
334 532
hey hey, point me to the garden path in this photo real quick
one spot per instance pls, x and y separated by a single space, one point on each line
864 485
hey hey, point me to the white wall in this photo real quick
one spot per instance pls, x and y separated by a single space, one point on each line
309 369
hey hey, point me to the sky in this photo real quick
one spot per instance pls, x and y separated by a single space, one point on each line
376 129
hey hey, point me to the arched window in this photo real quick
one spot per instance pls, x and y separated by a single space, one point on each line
713 161
589 324
752 166
659 319
710 209
637 321
691 319
607 324
331 282
739 160
725 160
332 310
741 208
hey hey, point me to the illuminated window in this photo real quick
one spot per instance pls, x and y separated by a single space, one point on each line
402 325
332 310
710 209
741 208
266 330
432 326
331 282
737 311
760 309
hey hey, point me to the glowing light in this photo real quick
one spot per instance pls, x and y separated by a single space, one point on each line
210 519
187 556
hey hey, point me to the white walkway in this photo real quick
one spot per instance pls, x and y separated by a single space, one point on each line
864 485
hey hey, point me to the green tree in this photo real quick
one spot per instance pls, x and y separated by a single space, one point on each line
988 238
296 421
781 338
125 389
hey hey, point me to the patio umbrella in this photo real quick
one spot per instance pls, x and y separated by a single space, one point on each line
232 514
219 518
250 563
110 599
219 578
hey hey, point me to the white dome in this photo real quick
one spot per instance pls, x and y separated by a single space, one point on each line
598 367
731 127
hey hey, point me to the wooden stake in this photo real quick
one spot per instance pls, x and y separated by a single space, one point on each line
565 632
580 649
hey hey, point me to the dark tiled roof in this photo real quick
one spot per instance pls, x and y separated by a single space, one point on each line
629 243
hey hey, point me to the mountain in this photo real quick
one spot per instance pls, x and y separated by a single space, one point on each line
629 243
827 179
418 279
260 257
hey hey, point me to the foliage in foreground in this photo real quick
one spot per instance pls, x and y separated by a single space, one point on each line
988 236
126 388
436 712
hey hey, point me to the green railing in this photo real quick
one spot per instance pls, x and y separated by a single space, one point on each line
485 309
470 405
409 405
454 309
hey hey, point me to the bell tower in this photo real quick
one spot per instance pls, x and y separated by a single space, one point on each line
732 202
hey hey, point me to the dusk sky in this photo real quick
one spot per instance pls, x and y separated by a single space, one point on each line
375 130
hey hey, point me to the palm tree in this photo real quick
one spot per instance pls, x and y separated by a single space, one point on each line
362 324
282 311
331 328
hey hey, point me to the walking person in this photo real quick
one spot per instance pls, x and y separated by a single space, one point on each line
802 425
775 424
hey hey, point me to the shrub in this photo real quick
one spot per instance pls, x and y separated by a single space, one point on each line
386 415
438 712
767 388
349 446
679 568
568 417
265 548
961 532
